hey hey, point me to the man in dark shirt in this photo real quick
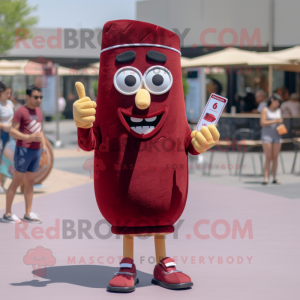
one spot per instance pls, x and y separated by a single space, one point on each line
249 103
27 130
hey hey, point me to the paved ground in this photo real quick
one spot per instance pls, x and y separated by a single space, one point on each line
264 265
67 132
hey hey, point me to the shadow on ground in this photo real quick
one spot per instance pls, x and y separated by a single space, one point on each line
85 275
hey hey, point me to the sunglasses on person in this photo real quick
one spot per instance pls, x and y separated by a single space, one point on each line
37 97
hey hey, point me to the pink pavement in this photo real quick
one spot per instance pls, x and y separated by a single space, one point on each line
234 243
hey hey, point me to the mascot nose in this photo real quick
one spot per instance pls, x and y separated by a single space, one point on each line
142 99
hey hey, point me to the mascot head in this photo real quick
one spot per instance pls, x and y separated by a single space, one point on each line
140 90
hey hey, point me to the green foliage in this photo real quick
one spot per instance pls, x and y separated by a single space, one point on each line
61 117
95 87
185 85
14 14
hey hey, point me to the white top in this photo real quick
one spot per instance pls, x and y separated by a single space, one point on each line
6 112
272 115
291 108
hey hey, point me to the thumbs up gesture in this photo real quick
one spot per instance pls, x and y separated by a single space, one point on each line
83 109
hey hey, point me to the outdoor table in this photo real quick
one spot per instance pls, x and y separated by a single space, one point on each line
229 123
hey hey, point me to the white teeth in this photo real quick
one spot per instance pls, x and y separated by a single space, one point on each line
151 119
136 120
150 128
142 129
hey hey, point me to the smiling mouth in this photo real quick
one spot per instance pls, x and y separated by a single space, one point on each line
142 125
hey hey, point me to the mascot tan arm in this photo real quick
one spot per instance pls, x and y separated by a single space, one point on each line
83 109
205 139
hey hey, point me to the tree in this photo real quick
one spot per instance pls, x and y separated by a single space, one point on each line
95 87
14 14
185 85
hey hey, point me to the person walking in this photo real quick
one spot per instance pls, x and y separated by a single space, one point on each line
6 115
270 119
27 130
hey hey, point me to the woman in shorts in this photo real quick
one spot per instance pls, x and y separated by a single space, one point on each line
270 119
6 115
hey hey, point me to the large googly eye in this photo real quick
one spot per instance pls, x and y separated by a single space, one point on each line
128 80
158 80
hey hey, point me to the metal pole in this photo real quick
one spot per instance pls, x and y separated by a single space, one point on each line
297 83
202 79
270 46
57 143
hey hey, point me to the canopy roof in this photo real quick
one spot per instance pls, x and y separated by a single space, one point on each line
234 56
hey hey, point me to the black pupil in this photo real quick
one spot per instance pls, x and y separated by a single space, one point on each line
157 80
130 80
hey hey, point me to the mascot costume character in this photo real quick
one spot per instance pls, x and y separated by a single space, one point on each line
140 133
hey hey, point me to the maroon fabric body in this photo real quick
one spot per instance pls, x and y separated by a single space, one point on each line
141 182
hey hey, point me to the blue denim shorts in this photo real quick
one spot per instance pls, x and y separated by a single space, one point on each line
27 160
4 138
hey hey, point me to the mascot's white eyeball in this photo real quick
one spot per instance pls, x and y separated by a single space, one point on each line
158 80
128 80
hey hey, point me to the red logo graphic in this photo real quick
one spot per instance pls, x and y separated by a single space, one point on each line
89 165
209 117
40 68
215 106
39 258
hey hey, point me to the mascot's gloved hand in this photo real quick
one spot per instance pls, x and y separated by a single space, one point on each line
205 139
83 109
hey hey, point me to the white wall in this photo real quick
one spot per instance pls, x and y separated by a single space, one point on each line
220 14
287 23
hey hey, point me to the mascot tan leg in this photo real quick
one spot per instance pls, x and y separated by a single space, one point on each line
160 247
128 246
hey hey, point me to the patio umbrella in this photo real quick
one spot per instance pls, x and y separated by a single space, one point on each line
238 57
234 57
17 67
184 61
290 54
289 68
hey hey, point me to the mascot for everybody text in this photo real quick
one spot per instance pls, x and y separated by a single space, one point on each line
139 132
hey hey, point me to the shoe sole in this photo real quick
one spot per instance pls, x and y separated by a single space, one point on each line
117 289
34 222
13 222
175 286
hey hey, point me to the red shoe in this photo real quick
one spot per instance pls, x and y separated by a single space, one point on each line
166 275
125 280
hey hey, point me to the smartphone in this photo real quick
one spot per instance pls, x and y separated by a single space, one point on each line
212 111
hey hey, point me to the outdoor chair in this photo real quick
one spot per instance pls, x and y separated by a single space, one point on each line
245 139
296 143
225 130
227 144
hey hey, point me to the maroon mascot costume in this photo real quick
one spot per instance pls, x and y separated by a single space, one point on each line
141 140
